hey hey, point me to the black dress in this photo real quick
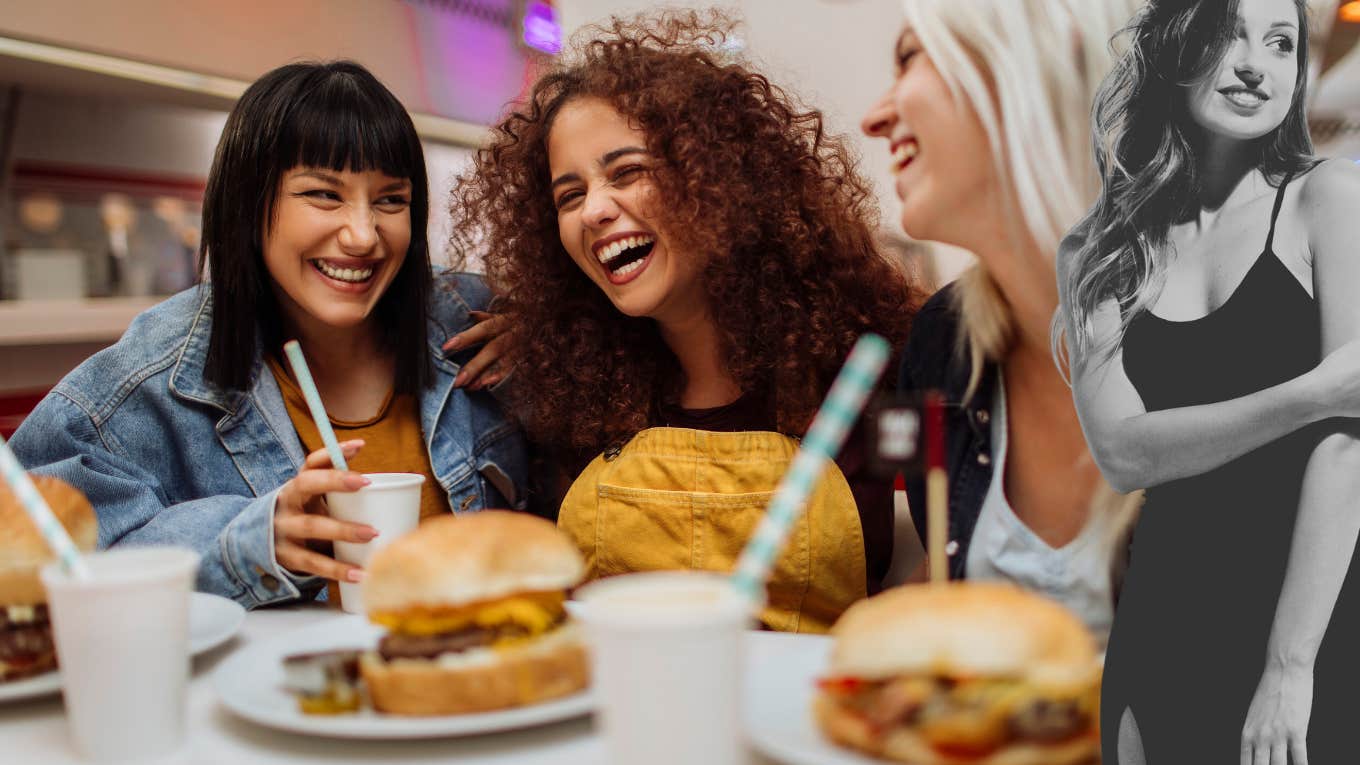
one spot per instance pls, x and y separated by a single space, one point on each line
1208 556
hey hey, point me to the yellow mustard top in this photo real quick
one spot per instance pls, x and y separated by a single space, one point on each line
393 442
675 498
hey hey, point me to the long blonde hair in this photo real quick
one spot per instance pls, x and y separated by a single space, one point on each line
1030 69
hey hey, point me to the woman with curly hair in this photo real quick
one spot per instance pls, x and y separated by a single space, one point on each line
684 260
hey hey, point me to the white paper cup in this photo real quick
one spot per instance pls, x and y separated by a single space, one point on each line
122 640
666 653
390 504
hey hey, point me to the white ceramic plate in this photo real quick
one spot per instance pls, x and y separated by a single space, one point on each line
212 621
781 674
250 682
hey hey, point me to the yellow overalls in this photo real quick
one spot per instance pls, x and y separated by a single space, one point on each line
675 498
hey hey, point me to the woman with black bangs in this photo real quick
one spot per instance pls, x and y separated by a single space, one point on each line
1208 304
191 431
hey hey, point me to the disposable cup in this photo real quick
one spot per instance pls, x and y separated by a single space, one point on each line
666 658
122 639
390 504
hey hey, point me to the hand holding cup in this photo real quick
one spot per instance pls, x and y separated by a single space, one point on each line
300 517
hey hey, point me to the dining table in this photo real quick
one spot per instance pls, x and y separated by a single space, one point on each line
35 730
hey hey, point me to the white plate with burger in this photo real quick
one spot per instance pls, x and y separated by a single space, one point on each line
963 674
27 655
465 633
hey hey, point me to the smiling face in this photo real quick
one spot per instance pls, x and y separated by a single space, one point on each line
941 158
1250 91
606 205
335 242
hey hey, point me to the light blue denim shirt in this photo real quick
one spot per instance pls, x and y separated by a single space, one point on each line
168 459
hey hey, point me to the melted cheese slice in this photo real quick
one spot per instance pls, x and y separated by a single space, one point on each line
534 612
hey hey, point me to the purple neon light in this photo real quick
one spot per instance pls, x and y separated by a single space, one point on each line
541 30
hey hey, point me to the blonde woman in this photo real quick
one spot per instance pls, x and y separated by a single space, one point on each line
1200 295
988 124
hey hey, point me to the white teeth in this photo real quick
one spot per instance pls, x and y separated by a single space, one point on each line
1244 98
904 153
630 268
614 249
353 275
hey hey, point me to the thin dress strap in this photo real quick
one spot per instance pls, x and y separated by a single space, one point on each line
1279 200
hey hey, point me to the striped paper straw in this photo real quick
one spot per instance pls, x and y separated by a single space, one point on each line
308 385
37 509
824 439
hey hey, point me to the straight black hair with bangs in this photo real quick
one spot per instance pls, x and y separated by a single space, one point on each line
333 115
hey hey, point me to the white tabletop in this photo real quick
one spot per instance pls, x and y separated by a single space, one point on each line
34 731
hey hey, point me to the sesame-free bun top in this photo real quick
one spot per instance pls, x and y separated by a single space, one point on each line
22 548
454 560
987 629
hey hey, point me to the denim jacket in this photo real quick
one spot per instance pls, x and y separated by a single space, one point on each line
932 361
166 458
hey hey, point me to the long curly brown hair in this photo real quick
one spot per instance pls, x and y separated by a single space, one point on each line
748 177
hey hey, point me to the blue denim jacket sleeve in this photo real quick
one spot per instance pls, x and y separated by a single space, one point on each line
233 534
167 458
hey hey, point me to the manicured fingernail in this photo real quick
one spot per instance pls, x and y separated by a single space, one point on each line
356 480
453 343
355 575
458 380
371 532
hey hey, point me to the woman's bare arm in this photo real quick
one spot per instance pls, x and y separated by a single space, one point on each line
1136 449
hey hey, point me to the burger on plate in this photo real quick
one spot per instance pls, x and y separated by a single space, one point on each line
26 647
978 673
473 605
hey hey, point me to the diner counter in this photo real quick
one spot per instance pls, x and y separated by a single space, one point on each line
35 730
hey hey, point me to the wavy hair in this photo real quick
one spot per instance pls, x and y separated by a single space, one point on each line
748 177
1150 178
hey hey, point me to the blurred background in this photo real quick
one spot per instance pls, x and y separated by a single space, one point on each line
110 111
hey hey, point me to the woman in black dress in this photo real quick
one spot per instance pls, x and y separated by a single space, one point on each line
1199 298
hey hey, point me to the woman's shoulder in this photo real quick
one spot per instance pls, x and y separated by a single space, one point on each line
932 346
455 293
154 341
154 336
1328 198
1331 188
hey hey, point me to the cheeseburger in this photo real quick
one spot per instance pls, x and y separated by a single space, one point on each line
25 631
962 674
473 605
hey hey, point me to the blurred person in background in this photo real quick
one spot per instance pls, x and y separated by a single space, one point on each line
987 123
1200 297
191 430
684 260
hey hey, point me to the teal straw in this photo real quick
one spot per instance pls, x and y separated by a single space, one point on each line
308 385
824 439
37 509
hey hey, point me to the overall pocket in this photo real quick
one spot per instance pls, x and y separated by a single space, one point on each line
649 530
